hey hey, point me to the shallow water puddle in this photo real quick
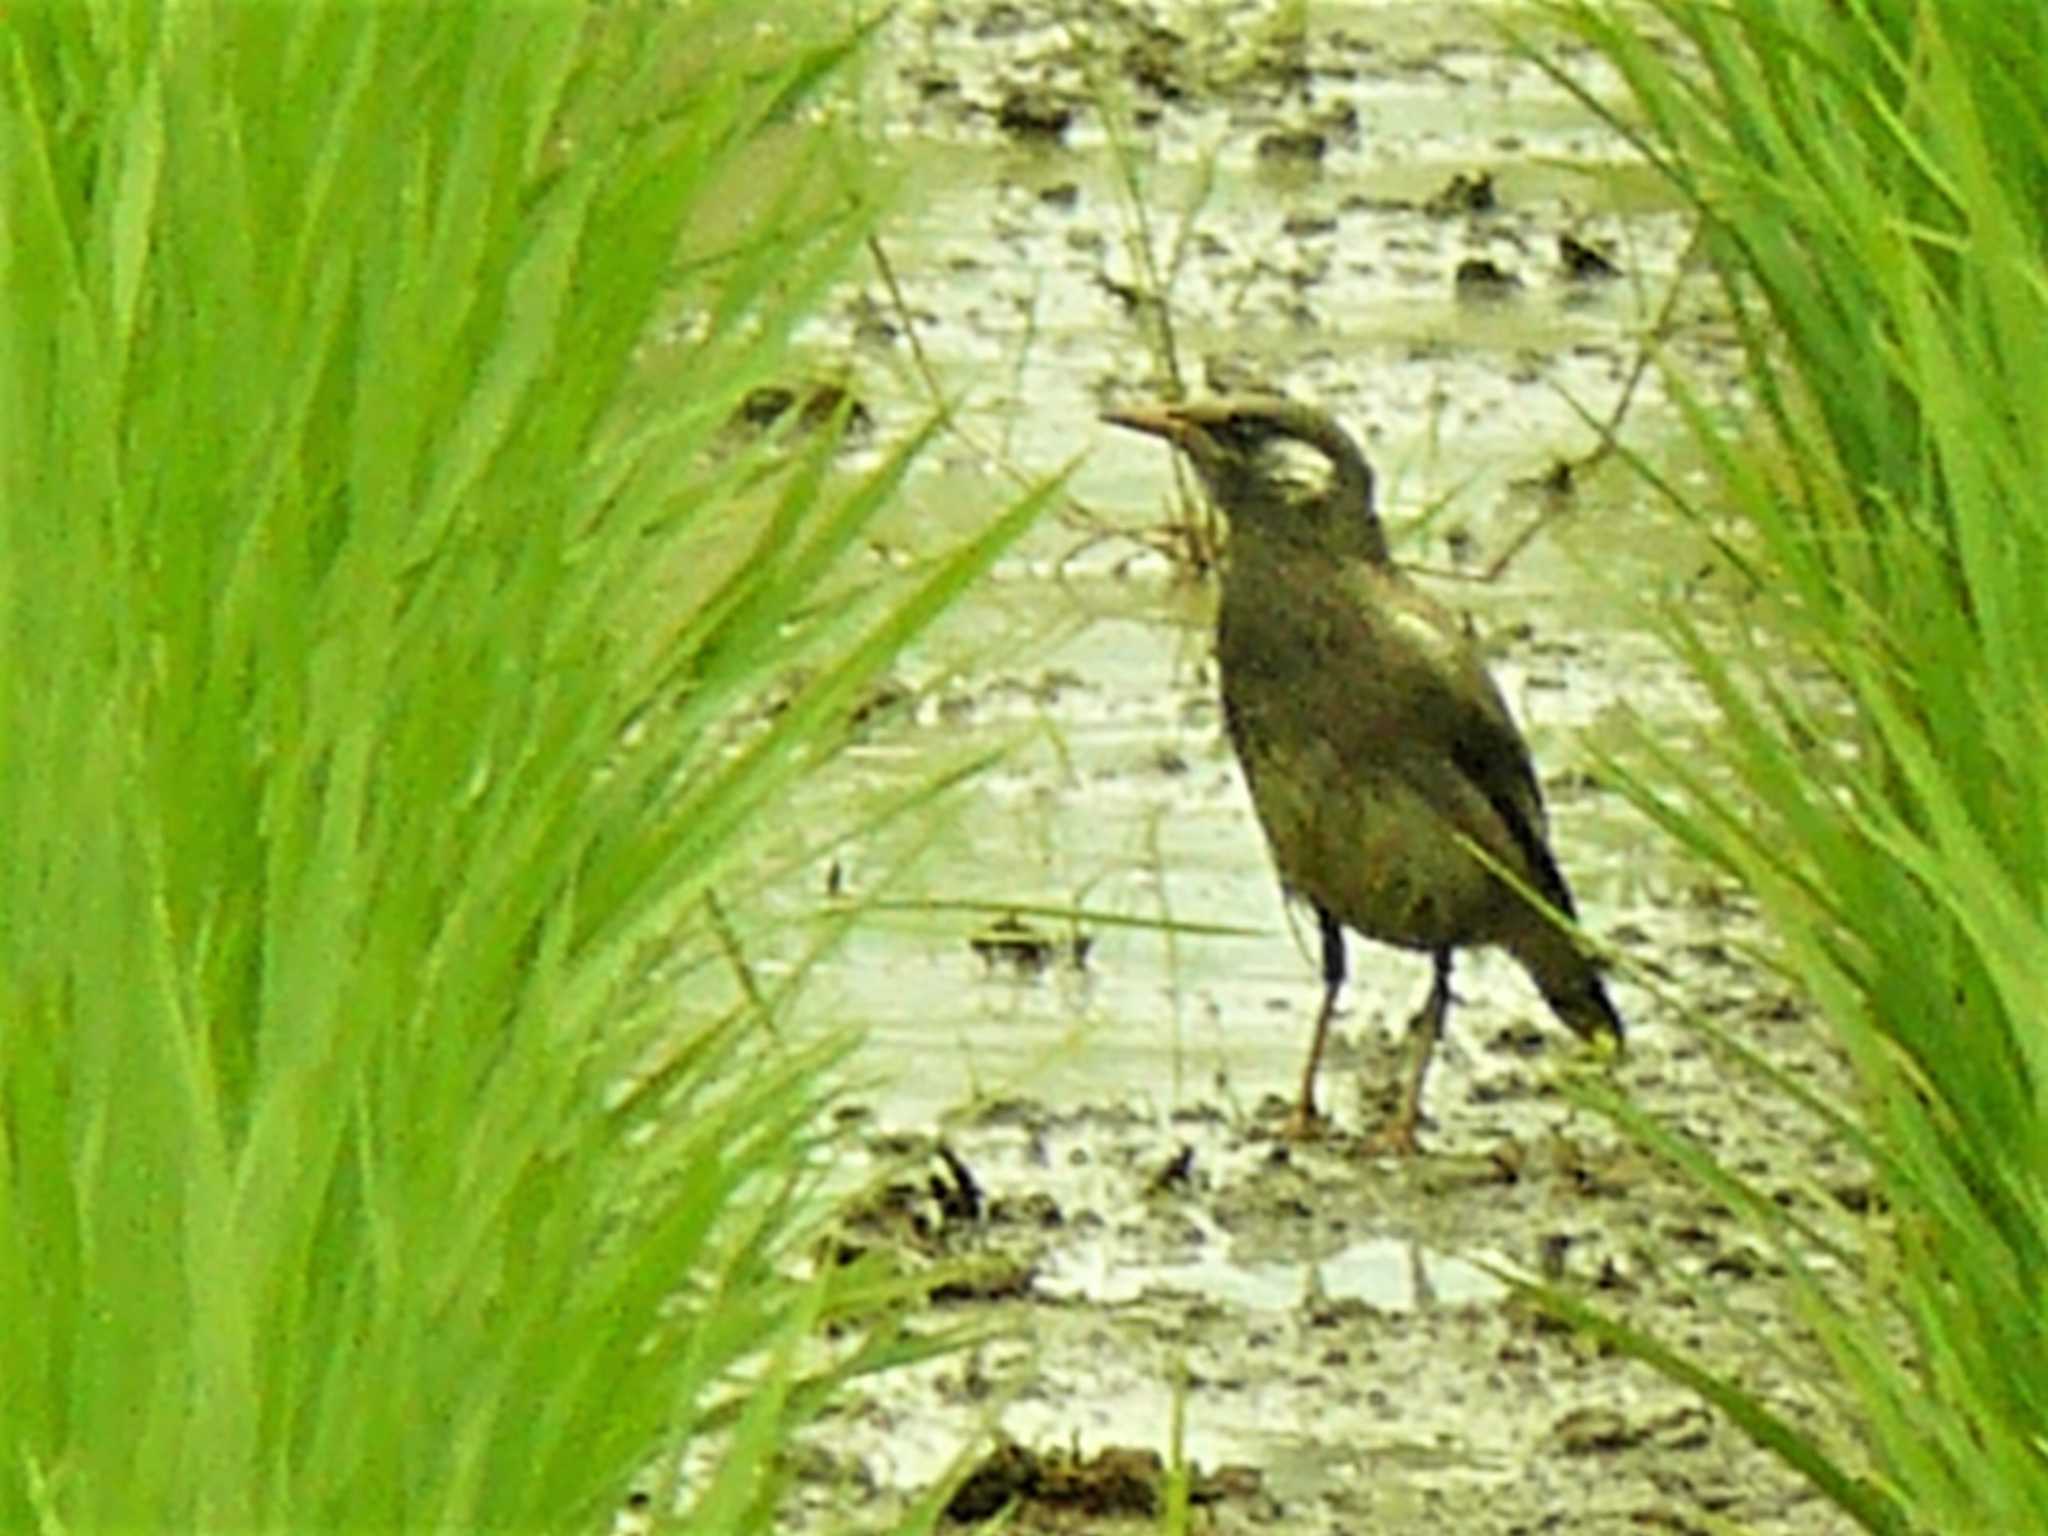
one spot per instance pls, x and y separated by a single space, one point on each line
1390 1274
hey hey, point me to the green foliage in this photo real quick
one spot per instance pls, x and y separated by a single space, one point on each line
379 653
1870 179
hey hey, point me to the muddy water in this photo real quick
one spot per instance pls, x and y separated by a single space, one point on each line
1331 1331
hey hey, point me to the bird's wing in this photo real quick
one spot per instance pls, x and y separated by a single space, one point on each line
1451 712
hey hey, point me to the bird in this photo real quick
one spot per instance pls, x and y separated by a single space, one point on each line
1396 793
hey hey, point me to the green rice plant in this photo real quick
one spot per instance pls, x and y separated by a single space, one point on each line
1869 175
1194 535
384 608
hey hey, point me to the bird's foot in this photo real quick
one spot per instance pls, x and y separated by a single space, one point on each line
1304 1124
1396 1138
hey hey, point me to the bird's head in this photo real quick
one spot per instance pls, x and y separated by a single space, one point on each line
1273 466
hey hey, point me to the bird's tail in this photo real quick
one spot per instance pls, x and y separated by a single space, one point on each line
1585 1008
1571 984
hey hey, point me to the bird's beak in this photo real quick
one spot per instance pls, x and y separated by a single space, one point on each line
1153 420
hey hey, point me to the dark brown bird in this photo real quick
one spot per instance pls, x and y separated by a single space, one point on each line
1379 753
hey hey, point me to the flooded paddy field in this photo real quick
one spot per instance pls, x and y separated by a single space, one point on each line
1386 212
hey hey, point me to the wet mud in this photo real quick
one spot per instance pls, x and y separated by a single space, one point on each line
1072 1121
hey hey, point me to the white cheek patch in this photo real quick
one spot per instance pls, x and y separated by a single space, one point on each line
1299 468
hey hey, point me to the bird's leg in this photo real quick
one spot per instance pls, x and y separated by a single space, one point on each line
1424 1030
1305 1122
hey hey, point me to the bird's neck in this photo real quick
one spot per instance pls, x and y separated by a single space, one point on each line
1348 504
1337 523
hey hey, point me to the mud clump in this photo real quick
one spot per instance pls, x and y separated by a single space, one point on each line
1584 263
1464 194
1050 1490
1478 278
1030 113
1014 946
817 404
1305 146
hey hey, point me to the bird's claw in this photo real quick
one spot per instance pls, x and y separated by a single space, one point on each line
1396 1139
1304 1124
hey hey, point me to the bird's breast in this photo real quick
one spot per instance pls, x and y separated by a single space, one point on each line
1298 646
